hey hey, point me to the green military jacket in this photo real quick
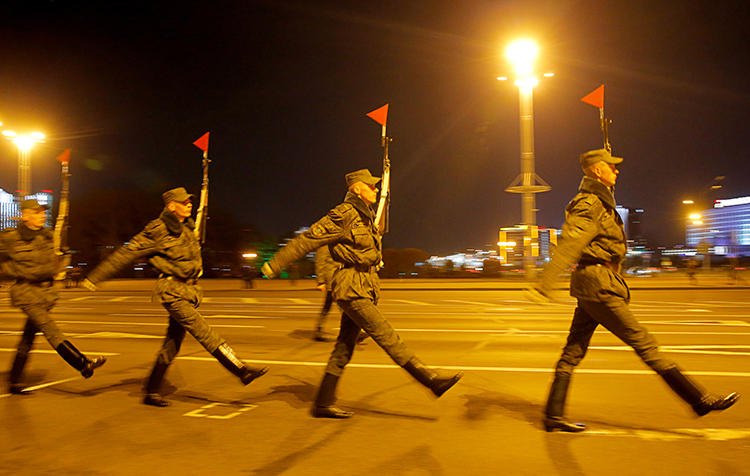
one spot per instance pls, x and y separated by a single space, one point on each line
353 241
170 247
594 237
28 257
325 267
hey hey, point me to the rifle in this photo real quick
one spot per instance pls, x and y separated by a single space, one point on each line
59 235
380 115
202 216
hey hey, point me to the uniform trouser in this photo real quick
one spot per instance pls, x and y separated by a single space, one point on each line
617 318
327 302
183 317
362 314
37 320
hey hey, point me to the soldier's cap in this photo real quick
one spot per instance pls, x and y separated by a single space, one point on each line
599 155
32 204
178 194
361 175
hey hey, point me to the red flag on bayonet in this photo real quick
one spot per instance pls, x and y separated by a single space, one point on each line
379 115
64 158
595 97
202 142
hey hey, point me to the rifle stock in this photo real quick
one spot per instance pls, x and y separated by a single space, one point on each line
202 216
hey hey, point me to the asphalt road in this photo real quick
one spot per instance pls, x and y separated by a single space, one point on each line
488 424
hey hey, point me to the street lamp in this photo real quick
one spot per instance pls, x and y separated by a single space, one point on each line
522 55
24 142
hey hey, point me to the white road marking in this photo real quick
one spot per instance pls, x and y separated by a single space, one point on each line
249 300
686 349
703 373
475 303
198 413
161 324
413 303
298 301
44 351
82 298
119 299
701 323
711 434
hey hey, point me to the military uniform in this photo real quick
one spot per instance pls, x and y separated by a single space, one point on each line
593 237
172 248
350 234
325 266
28 258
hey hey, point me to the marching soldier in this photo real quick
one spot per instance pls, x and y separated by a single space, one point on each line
593 236
352 238
325 266
27 256
171 247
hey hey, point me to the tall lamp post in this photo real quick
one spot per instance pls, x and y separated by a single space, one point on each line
24 142
522 55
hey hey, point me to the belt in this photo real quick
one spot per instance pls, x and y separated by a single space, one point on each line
587 262
364 268
192 281
45 283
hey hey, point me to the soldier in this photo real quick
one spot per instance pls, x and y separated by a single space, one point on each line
171 247
593 236
353 240
325 266
28 257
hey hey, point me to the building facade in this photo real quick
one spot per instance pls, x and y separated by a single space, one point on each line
724 229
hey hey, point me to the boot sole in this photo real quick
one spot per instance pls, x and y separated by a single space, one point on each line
440 391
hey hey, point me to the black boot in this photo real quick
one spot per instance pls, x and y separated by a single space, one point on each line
323 406
553 418
14 379
226 356
694 395
78 361
153 383
429 378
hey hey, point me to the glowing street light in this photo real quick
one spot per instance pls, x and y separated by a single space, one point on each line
249 255
522 54
688 202
24 143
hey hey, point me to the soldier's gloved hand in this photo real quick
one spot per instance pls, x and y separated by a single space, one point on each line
89 285
321 286
537 296
267 271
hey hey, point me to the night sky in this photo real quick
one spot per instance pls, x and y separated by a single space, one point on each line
284 87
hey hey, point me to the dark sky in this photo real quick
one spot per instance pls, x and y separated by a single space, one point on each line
283 87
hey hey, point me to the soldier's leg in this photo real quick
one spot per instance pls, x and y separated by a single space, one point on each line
22 355
186 315
366 315
581 329
39 315
169 350
617 318
341 355
320 335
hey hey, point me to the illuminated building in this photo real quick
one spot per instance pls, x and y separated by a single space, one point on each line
631 218
725 228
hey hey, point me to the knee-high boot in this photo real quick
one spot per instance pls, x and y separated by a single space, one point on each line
324 401
431 379
701 401
227 357
553 415
77 360
152 396
16 371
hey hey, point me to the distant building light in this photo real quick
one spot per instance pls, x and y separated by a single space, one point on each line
729 202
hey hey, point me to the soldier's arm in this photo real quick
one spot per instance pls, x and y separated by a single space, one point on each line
145 243
322 258
580 228
326 230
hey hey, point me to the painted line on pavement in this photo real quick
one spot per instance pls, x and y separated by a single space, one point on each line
686 349
299 301
404 301
703 373
711 434
161 324
43 351
476 303
82 298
